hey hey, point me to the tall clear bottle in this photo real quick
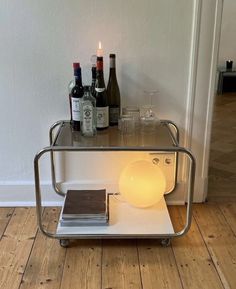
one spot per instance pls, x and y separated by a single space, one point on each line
88 113
113 93
101 97
76 94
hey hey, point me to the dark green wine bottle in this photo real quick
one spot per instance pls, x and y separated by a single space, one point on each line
113 93
94 74
101 98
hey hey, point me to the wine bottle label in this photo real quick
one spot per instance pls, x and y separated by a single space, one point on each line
75 105
98 89
114 114
87 116
102 117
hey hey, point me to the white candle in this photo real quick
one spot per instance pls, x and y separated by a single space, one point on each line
100 50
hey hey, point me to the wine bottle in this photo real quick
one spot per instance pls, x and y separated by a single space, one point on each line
101 97
94 73
88 113
113 93
76 94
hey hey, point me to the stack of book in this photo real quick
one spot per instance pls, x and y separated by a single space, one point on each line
85 208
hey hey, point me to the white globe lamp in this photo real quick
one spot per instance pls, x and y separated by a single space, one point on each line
142 184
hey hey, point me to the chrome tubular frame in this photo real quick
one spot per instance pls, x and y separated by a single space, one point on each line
52 148
52 141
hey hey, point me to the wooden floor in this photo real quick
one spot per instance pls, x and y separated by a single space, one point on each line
222 166
204 258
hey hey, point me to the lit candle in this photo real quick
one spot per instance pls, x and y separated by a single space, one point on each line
100 50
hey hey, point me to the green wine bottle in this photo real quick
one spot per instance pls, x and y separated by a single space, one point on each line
113 92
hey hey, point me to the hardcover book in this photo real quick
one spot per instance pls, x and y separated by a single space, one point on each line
85 222
85 205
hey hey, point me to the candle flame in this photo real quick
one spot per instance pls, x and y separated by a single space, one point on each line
99 45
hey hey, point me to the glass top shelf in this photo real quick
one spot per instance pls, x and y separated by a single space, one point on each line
112 138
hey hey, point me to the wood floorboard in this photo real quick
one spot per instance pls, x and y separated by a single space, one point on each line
220 240
204 258
83 265
229 211
5 216
157 264
120 265
15 247
45 265
193 260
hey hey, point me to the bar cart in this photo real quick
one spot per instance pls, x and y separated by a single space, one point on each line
125 221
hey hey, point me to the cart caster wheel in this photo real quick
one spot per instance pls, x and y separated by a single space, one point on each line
64 243
165 242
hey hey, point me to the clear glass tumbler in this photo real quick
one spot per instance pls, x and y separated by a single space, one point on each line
126 124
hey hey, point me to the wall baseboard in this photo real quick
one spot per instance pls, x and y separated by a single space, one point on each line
23 195
201 185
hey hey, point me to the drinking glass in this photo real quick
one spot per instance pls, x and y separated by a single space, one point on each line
133 111
148 117
126 124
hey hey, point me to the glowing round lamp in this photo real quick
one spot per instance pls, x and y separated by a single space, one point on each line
142 184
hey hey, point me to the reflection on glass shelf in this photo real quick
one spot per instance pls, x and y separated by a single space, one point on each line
112 137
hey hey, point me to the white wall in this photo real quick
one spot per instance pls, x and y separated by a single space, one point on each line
228 32
40 40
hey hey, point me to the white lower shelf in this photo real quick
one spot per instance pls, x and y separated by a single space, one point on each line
127 220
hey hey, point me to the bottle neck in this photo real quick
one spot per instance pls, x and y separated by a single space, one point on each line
99 68
78 76
78 80
100 80
112 67
86 94
112 63
99 77
113 72
100 74
94 73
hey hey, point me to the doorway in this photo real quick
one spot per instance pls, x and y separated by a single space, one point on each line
222 163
